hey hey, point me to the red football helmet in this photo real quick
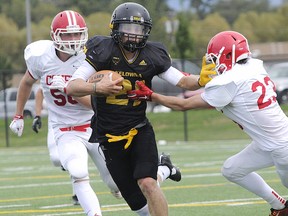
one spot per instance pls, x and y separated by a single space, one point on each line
227 48
69 32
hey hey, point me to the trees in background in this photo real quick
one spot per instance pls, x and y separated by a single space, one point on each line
194 26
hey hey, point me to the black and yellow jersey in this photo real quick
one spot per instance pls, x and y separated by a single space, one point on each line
117 114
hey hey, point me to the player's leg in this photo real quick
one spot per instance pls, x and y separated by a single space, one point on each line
98 158
52 148
74 158
280 158
55 159
145 159
166 169
119 163
241 168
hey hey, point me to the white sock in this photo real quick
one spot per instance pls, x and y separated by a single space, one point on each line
164 172
143 211
87 198
255 183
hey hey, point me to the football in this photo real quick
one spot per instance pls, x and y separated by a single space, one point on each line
96 77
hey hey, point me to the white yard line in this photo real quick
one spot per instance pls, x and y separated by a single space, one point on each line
15 206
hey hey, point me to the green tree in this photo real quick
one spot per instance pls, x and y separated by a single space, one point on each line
15 10
10 59
282 30
231 9
10 43
98 23
184 42
262 27
202 7
203 30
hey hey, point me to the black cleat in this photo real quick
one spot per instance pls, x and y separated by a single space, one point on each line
175 173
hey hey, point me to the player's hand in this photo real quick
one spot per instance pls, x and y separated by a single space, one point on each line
37 123
207 72
143 93
17 125
59 83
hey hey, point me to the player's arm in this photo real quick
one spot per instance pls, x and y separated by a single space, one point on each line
78 86
39 102
194 82
181 104
37 122
85 101
175 103
24 91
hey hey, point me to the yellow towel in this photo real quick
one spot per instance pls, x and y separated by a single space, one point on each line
129 137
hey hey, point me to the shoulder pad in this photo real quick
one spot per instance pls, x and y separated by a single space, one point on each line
95 41
37 48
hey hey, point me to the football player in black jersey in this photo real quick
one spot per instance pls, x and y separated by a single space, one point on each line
120 124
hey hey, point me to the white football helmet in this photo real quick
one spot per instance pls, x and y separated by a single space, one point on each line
227 48
68 23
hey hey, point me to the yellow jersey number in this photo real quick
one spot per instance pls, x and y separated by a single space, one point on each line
127 86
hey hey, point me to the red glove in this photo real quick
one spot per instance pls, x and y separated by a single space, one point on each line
143 93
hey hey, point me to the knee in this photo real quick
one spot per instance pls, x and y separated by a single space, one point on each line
77 170
77 175
226 172
55 160
147 185
231 172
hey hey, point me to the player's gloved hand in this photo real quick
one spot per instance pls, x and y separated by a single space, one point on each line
143 93
207 72
37 123
59 83
17 125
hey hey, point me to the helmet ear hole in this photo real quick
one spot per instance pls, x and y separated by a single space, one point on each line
228 56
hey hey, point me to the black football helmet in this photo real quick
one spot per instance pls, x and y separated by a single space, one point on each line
130 26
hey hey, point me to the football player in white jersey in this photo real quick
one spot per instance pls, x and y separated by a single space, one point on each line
244 92
69 117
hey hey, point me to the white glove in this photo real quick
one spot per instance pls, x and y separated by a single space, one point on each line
59 83
17 125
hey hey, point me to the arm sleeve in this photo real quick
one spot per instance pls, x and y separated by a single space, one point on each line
31 63
172 75
219 95
83 72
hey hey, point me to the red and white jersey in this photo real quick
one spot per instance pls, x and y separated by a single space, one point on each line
246 95
43 63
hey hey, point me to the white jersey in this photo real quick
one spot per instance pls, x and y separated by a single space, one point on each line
246 95
43 63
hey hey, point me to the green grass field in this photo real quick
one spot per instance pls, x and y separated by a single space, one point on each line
30 185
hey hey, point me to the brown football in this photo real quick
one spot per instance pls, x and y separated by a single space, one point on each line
96 77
